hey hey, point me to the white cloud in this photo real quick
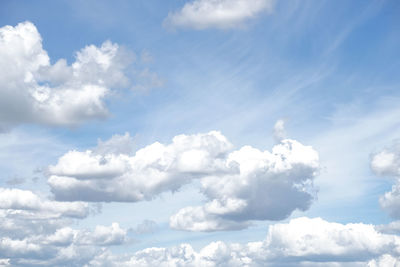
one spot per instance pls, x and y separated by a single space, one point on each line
32 90
391 228
91 176
266 186
221 14
319 239
24 200
117 144
390 201
302 241
63 247
387 163
279 131
101 236
145 227
247 184
385 261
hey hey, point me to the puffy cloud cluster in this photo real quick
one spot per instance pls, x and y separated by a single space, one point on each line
301 242
101 236
34 231
247 184
64 247
34 90
387 163
221 14
25 201
115 175
263 186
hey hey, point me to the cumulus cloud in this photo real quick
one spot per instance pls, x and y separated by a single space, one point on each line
301 242
25 200
35 91
220 14
387 163
35 231
61 247
391 228
385 260
101 236
265 186
94 175
242 185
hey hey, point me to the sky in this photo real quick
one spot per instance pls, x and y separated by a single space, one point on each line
200 133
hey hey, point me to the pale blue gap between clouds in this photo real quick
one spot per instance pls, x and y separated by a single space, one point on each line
342 74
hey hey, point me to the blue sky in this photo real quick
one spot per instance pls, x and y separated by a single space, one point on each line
327 70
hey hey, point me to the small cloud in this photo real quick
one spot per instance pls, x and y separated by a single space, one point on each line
146 227
279 131
147 80
16 181
220 14
146 57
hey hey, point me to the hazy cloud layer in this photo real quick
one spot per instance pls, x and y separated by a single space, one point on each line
221 14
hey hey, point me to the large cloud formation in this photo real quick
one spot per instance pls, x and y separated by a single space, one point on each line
301 242
264 186
116 175
32 90
221 14
242 185
387 163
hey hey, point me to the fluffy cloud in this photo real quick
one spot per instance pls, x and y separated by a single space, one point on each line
24 200
33 90
385 261
101 236
265 186
387 163
65 246
302 241
34 231
23 213
115 175
221 14
247 184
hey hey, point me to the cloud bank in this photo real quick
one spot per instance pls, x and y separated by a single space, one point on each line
301 242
